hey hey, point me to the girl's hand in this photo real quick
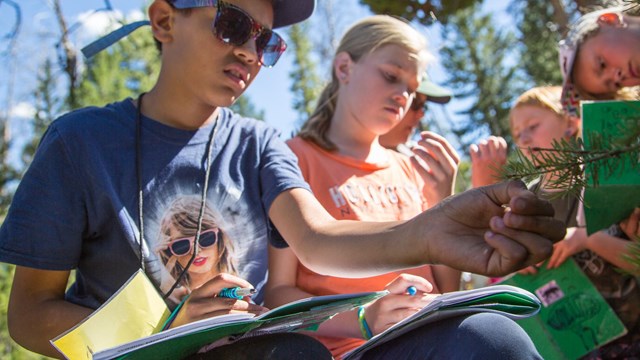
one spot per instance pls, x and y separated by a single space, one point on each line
390 309
530 270
487 157
437 162
631 225
204 303
574 242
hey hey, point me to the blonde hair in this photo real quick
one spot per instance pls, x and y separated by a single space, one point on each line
546 97
363 38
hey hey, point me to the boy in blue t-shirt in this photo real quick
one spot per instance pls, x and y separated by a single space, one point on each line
177 184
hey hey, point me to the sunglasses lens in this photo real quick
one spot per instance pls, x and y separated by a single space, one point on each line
272 50
181 247
208 238
233 26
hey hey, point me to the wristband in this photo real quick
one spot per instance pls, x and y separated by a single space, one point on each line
364 327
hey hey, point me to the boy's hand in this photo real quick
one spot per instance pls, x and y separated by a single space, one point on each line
474 232
204 303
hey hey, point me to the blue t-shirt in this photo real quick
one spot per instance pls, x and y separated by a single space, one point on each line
77 205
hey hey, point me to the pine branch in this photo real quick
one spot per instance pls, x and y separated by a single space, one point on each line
564 164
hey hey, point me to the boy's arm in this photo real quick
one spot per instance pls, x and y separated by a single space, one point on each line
37 309
471 231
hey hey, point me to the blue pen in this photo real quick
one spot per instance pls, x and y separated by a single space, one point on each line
236 292
411 290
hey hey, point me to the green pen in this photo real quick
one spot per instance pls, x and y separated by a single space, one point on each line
236 292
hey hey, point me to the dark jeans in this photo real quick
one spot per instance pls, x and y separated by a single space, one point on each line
279 346
479 336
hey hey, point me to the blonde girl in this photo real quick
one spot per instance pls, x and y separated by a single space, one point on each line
376 71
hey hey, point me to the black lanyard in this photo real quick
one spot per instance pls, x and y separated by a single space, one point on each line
203 199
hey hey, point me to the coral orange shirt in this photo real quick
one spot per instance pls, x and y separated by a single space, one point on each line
357 190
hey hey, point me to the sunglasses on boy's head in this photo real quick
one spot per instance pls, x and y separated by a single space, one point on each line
184 246
234 26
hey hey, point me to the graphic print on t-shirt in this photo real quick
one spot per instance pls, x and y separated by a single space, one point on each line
224 239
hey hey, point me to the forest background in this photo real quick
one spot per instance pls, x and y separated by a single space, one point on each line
488 53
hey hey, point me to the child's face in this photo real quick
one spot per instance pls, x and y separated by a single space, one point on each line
381 86
400 133
607 61
202 66
535 126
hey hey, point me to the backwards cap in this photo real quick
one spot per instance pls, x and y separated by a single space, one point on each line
285 12
289 12
568 48
434 92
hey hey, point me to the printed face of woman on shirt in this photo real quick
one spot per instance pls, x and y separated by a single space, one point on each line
380 87
182 246
534 126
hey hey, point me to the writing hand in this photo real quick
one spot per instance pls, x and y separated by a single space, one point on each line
203 302
397 305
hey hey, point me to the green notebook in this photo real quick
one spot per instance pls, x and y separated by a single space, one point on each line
506 300
574 319
187 339
617 194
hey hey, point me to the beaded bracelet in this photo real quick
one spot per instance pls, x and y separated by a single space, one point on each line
364 327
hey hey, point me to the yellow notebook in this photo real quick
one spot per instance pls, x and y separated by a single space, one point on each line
136 310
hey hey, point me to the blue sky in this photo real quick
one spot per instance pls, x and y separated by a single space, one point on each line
270 90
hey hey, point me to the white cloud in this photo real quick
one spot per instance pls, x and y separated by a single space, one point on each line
23 110
98 23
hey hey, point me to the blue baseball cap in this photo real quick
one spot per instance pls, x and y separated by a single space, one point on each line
289 12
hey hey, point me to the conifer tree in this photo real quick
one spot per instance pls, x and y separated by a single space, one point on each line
475 54
305 85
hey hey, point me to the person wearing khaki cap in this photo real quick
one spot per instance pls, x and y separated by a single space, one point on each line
428 91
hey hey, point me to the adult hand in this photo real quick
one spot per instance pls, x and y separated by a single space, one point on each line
437 163
631 225
487 157
574 242
473 231
204 303
398 305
